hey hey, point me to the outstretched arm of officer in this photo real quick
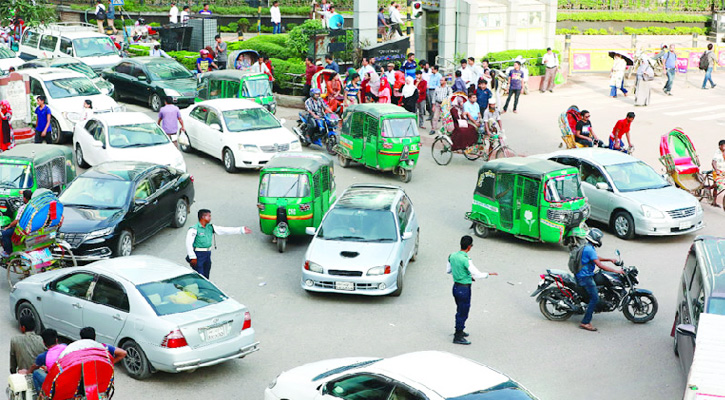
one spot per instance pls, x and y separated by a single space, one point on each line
237 230
476 274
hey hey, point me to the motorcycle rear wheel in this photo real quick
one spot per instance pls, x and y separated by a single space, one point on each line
281 244
548 307
330 145
644 312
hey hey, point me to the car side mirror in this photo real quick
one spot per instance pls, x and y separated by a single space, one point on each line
602 186
686 330
69 51
311 230
46 287
407 235
282 121
216 127
140 202
99 144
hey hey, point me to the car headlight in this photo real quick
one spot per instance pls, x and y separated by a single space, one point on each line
651 212
119 109
381 270
252 148
105 91
698 207
72 116
295 145
100 233
17 202
313 267
172 93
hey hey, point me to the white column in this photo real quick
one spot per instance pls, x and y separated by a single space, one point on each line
447 32
550 8
420 38
512 23
365 21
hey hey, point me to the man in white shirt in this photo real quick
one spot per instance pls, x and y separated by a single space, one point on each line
174 13
467 74
366 68
396 19
185 15
390 73
476 69
276 17
551 62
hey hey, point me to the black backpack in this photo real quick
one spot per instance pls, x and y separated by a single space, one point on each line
704 61
101 14
575 259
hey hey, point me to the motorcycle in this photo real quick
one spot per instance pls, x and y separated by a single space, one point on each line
326 135
616 292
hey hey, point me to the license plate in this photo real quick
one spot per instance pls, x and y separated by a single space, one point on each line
215 333
685 225
344 285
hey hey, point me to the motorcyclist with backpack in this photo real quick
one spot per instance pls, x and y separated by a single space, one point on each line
316 108
585 277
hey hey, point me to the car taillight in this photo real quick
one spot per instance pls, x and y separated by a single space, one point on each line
387 270
247 320
174 339
192 178
542 276
307 265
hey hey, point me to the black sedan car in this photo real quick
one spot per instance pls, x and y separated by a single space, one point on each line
151 80
116 205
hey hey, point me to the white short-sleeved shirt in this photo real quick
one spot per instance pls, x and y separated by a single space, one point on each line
174 15
719 161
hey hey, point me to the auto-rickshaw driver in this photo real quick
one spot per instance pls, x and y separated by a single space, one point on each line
317 108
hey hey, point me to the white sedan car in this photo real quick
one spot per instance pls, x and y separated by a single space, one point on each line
425 375
241 133
124 136
8 59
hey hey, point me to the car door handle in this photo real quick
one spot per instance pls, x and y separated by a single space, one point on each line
77 305
117 317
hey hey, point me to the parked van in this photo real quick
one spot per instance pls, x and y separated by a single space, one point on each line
701 290
72 39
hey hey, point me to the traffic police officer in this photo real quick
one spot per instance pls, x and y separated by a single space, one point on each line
200 238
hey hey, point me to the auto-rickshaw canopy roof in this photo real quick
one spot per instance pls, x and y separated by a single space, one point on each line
38 153
379 110
299 160
526 166
232 75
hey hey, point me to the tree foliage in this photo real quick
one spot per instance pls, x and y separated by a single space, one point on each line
33 12
299 38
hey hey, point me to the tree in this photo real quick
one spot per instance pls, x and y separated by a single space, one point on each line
33 12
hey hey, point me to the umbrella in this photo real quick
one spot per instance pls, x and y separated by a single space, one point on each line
625 56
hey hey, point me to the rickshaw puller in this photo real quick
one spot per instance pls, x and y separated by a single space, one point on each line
7 233
316 109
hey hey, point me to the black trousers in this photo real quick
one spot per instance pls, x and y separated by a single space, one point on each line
40 139
517 93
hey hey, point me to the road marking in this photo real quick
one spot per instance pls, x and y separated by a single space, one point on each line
708 117
696 110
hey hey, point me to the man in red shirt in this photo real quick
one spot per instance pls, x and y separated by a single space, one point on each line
310 70
621 128
422 86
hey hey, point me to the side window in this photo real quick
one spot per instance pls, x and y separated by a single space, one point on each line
48 42
110 293
360 387
99 133
570 161
66 46
31 38
124 68
403 213
213 118
90 126
36 89
215 89
44 176
358 120
139 73
144 190
402 392
75 285
486 183
161 178
371 128
200 113
203 88
591 174
697 296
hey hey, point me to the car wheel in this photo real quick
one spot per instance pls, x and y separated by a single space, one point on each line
228 160
481 230
56 135
344 161
623 225
136 364
414 257
399 283
181 212
27 309
80 161
155 102
125 244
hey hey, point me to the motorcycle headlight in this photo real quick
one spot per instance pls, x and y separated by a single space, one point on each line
172 93
651 212
72 116
100 233
252 148
119 109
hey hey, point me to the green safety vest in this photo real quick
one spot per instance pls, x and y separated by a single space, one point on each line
204 235
459 267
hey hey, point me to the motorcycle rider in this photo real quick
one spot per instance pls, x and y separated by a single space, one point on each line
316 108
585 276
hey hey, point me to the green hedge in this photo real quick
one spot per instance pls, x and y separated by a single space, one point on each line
282 68
630 16
636 5
535 66
652 30
134 7
269 45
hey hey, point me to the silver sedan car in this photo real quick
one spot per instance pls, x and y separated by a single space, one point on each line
364 243
630 196
167 317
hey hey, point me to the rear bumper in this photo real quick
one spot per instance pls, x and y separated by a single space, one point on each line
194 364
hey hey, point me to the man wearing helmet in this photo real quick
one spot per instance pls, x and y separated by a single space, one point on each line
316 108
585 276
204 63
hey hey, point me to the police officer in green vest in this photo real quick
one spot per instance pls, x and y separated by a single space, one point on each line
200 239
461 267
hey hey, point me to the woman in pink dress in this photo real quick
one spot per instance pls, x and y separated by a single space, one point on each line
384 92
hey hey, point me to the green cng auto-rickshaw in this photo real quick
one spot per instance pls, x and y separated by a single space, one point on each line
295 191
380 136
531 198
32 166
233 84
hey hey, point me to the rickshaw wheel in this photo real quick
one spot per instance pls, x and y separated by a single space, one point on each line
473 153
281 244
405 175
330 144
481 230
441 151
63 255
344 161
18 269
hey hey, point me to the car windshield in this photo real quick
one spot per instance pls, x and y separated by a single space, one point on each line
96 193
358 225
716 306
15 176
181 294
6 53
563 188
634 176
249 119
167 71
284 185
344 368
137 135
71 87
78 67
94 47
509 390
399 127
257 88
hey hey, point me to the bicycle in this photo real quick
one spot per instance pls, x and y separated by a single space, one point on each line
497 147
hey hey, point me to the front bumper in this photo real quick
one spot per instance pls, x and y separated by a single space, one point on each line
363 285
183 101
668 226
86 251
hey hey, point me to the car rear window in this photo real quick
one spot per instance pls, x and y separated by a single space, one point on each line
505 391
181 294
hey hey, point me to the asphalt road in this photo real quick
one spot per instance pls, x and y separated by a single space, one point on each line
556 361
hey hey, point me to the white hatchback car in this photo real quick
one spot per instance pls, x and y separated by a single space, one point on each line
65 92
124 136
424 375
8 59
242 133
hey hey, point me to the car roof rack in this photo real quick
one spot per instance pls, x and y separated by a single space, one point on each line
71 26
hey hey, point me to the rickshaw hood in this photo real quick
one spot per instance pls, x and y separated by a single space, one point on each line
358 256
